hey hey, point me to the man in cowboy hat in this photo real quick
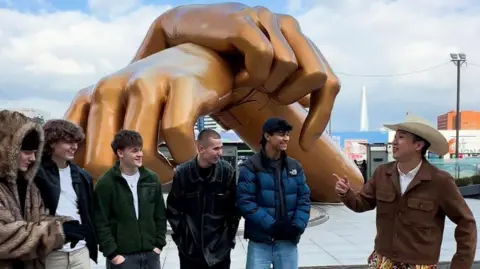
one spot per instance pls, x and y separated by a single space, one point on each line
412 198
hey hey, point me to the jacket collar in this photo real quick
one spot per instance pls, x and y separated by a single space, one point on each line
266 161
116 169
194 168
424 174
49 164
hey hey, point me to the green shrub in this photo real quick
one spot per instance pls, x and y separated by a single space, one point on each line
464 181
476 179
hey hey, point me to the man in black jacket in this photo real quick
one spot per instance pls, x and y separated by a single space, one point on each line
66 190
201 207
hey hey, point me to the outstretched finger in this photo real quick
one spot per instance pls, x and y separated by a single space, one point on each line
78 114
154 41
321 102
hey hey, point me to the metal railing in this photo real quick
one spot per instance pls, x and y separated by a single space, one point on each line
459 168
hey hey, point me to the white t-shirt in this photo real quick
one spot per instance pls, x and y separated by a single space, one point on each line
67 204
132 182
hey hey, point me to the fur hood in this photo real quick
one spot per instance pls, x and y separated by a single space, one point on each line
13 128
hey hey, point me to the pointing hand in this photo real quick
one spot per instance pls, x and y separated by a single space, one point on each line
342 186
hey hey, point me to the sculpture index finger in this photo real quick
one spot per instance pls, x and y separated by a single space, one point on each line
321 105
153 42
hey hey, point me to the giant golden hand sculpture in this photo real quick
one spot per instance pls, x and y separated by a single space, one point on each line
238 64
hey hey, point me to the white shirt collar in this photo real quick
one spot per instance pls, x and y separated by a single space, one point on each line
412 172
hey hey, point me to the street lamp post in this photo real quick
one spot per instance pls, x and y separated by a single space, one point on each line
458 59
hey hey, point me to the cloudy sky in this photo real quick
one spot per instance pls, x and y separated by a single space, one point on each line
49 49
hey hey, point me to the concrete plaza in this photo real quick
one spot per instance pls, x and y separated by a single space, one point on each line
336 238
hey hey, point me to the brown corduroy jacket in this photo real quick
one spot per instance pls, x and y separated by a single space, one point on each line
410 226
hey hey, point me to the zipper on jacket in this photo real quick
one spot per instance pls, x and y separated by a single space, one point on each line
202 190
125 183
280 193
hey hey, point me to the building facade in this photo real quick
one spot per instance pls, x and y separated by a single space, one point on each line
209 123
469 120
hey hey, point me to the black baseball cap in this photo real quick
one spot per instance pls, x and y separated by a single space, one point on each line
273 125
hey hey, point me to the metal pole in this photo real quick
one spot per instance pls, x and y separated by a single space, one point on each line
458 116
458 59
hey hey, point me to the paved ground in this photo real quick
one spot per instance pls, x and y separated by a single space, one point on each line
346 238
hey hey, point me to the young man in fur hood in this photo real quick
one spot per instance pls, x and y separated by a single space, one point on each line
27 233
67 190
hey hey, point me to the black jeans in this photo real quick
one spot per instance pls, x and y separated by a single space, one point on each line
186 263
145 260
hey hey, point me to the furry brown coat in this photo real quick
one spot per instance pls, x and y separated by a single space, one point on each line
35 234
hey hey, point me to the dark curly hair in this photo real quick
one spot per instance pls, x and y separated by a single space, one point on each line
61 130
125 139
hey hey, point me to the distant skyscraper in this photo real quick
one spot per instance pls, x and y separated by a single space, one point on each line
364 111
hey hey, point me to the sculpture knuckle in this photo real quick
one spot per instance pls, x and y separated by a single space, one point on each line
262 10
139 88
333 84
288 61
289 21
83 96
105 89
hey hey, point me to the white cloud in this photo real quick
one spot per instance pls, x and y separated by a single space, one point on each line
65 51
62 52
385 37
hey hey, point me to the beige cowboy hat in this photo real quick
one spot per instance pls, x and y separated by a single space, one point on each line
420 127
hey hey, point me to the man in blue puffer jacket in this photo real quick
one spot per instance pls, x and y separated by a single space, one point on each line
274 200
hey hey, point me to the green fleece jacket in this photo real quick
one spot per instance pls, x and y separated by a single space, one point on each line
117 227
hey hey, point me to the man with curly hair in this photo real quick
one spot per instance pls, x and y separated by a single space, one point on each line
129 208
67 190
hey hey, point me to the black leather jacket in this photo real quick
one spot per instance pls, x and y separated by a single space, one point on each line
202 213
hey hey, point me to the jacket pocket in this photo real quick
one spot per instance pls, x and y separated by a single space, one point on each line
193 203
148 191
385 204
220 203
419 212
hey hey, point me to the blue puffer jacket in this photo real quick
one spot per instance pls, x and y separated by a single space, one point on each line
257 196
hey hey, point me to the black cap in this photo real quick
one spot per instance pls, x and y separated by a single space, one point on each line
273 125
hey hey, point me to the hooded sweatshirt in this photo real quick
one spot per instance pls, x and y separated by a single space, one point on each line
26 234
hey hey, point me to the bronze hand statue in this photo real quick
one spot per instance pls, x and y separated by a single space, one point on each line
240 65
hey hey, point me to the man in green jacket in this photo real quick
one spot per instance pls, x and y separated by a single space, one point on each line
129 208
